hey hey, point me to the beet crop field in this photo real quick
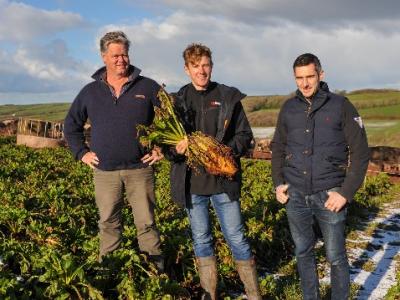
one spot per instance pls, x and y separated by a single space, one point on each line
49 244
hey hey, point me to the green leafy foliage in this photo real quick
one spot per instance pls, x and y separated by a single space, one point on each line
49 245
372 186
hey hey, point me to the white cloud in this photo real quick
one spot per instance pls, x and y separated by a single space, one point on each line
40 69
21 22
29 62
37 68
254 44
258 58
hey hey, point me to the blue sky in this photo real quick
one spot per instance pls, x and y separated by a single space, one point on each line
49 49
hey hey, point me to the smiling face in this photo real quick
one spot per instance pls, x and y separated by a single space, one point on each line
199 72
116 60
307 80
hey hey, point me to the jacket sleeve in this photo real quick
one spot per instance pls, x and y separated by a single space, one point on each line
358 151
242 135
73 128
278 145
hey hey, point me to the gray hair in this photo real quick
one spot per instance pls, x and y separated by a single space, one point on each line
117 37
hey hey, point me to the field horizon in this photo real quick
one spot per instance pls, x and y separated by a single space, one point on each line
379 108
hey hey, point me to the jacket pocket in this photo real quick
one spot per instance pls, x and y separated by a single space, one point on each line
288 159
336 163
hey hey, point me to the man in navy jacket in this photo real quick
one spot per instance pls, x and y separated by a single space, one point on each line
117 101
319 160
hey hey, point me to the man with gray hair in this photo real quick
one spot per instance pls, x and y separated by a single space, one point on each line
117 101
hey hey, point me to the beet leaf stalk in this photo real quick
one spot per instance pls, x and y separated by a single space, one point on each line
203 150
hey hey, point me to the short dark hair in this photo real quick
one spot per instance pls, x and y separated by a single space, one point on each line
307 59
117 37
194 52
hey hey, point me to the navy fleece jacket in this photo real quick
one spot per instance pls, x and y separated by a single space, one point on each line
113 120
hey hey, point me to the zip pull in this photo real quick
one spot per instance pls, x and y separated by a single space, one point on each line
226 123
308 110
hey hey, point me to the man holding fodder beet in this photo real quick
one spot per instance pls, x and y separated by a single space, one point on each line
117 101
319 160
213 109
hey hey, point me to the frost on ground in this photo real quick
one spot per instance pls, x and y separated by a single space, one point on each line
372 254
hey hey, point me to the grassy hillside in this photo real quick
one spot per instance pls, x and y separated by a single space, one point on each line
50 112
372 104
390 112
377 107
380 110
363 99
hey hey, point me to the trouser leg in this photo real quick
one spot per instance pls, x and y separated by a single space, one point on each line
332 226
198 213
139 187
108 193
300 218
230 219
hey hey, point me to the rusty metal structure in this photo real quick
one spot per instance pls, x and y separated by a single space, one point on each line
383 158
261 149
8 127
40 133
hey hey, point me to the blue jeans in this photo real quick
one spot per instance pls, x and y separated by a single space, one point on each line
303 211
230 219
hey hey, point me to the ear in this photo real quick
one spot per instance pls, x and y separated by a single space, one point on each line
102 57
321 75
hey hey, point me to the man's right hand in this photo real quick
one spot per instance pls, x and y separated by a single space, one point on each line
91 159
182 146
281 193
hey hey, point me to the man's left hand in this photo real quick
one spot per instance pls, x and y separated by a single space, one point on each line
154 156
335 202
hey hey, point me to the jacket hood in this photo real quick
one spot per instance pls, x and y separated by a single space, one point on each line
132 71
230 94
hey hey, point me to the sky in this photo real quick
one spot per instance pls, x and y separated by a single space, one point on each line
49 48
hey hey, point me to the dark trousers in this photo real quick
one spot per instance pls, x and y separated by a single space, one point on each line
303 211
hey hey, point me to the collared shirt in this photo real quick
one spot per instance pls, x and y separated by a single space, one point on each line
124 88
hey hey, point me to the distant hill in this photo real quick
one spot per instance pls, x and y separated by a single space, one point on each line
50 111
263 110
380 109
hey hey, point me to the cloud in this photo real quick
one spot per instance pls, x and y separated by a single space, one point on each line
313 13
254 43
21 22
31 63
258 58
40 69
